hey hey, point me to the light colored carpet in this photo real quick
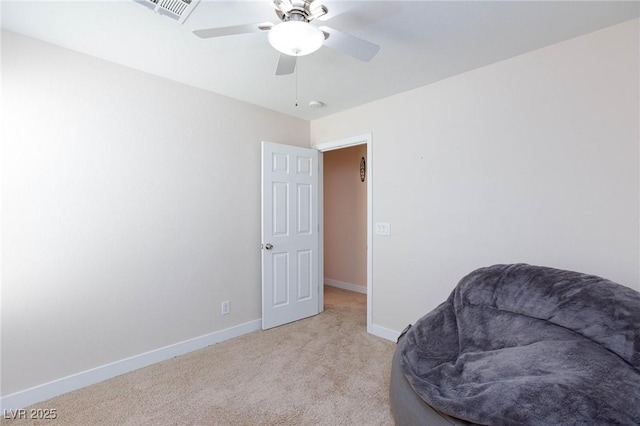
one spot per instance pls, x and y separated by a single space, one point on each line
324 370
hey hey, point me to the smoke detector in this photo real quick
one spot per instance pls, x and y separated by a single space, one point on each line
316 104
178 10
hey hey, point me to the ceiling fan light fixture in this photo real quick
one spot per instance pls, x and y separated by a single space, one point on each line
296 38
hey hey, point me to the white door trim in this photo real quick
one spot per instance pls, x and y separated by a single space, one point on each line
344 143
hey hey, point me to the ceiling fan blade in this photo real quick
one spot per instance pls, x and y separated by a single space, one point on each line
236 29
286 64
350 45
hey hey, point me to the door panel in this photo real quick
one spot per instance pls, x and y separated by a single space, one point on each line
289 234
305 271
304 209
280 279
280 209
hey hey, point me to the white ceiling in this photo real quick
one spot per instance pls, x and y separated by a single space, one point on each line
421 42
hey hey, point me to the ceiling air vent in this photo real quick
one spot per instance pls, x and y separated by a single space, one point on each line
174 9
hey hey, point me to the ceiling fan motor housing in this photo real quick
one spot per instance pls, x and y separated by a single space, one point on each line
296 16
299 10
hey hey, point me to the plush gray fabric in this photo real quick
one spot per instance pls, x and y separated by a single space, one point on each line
407 408
521 344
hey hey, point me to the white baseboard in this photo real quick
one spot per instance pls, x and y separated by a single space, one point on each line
57 387
383 332
346 286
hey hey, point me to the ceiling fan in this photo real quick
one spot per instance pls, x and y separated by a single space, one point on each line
295 36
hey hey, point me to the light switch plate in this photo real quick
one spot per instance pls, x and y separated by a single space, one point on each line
383 228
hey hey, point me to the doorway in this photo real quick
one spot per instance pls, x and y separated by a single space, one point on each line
348 265
345 219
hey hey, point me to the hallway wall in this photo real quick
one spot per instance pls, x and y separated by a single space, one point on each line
345 219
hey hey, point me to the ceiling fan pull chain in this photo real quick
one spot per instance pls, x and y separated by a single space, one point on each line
298 66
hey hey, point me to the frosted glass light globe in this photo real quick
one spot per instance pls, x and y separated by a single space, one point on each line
295 38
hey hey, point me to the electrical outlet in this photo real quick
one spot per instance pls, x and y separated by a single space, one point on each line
225 307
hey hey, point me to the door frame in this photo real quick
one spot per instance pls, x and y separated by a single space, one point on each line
330 146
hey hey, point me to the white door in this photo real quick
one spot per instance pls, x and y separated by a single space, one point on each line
290 212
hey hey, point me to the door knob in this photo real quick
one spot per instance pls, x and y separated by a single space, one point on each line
269 246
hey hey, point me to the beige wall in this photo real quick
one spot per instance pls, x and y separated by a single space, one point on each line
533 159
345 217
129 201
130 211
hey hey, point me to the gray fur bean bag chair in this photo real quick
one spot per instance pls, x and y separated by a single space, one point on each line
529 345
